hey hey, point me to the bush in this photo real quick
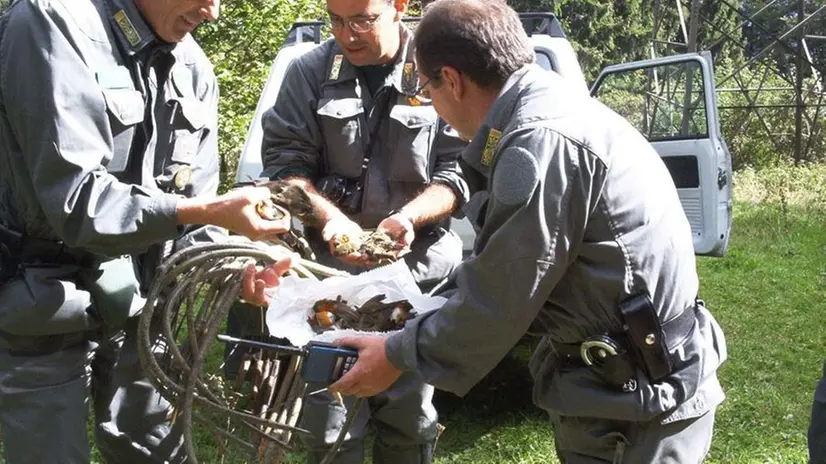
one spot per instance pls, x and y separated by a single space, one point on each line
242 45
801 187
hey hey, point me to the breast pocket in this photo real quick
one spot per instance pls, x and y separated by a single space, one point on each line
125 108
189 117
412 131
342 123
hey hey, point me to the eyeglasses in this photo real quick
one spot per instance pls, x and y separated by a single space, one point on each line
358 25
422 93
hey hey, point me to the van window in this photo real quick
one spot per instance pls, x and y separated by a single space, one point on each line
665 102
543 60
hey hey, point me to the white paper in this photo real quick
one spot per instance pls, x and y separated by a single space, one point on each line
291 303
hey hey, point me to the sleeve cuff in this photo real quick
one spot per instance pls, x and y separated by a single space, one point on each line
290 172
395 350
163 216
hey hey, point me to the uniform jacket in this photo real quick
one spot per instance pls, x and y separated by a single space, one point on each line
576 213
103 128
322 123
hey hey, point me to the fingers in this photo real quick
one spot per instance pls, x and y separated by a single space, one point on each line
350 342
346 385
269 227
327 234
282 266
248 287
260 297
256 284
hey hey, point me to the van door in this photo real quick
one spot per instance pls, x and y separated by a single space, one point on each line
672 102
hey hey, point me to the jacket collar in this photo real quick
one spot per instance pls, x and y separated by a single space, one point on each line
132 31
481 151
404 77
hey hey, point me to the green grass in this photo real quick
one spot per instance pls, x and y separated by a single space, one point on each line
767 294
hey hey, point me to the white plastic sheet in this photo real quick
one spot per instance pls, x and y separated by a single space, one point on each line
292 302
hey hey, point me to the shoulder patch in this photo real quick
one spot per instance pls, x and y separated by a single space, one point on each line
515 177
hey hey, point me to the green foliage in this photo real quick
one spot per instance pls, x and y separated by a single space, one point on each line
799 188
777 17
242 45
764 136
603 32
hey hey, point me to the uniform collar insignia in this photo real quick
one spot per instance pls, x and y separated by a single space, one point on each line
336 68
409 78
128 29
490 147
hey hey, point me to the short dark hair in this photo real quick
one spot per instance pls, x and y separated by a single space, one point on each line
483 39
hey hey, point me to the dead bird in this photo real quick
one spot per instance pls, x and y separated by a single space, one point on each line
283 197
293 198
371 316
376 245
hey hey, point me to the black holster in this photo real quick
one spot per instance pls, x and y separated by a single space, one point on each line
649 339
644 344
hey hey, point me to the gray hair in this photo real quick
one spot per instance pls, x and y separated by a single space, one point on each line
483 39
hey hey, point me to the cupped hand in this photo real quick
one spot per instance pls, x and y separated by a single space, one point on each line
256 283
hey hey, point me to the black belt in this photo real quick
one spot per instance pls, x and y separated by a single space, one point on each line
25 249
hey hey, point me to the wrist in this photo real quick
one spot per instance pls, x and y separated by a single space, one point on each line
401 213
331 214
191 211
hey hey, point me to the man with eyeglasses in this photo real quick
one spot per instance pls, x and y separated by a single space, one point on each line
352 128
580 235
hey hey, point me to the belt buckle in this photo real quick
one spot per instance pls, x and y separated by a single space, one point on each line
604 345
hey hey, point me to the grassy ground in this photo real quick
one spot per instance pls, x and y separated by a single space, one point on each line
767 294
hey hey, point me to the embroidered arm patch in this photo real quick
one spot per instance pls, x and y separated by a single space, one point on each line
515 176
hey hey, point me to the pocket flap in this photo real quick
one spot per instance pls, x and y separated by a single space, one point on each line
126 105
194 112
414 116
342 108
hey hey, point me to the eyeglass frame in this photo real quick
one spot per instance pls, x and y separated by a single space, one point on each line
419 93
370 22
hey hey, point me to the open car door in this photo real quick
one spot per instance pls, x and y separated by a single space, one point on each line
672 102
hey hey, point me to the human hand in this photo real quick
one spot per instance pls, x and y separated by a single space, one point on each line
237 210
253 290
344 238
372 374
400 228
